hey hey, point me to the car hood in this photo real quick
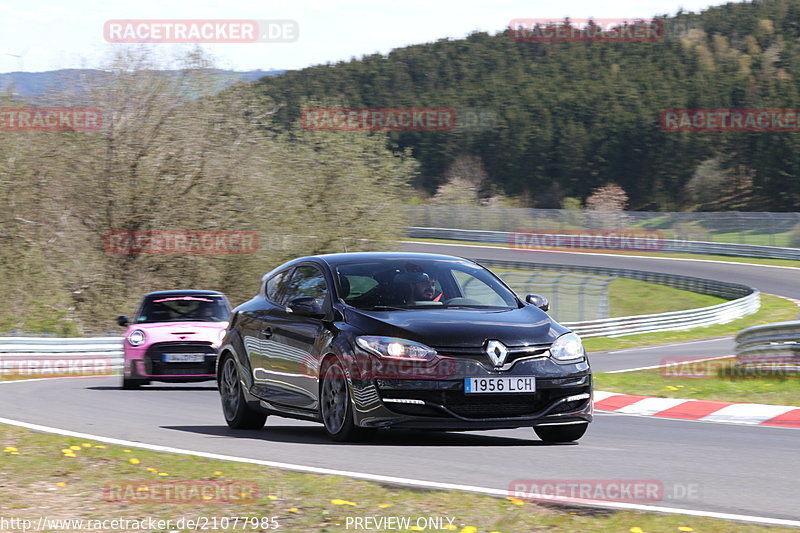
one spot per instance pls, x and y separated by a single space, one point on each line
180 331
461 327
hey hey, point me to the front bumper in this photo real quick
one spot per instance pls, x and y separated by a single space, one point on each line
152 367
562 396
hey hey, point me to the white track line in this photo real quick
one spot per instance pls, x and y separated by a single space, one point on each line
404 481
670 364
665 345
604 255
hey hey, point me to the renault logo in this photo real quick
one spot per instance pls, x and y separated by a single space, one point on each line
497 352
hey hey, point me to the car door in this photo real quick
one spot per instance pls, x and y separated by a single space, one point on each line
299 338
256 326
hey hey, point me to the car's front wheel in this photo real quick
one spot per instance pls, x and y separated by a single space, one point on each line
565 433
132 384
336 410
237 413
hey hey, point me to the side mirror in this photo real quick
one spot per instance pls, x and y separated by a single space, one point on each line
305 306
122 320
539 301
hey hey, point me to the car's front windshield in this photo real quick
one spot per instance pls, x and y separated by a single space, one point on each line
400 283
177 308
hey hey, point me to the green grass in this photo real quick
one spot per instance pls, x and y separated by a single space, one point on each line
770 388
725 258
40 480
628 297
773 309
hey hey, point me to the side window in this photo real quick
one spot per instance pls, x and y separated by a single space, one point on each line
275 284
475 289
306 281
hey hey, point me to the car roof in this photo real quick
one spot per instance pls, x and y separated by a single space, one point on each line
350 257
339 258
188 292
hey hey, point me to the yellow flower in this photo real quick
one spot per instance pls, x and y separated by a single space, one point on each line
13 453
206 497
670 387
636 529
99 446
515 501
143 489
61 484
415 528
70 455
469 529
66 450
217 473
10 449
163 474
126 451
133 461
384 505
86 445
684 528
451 527
271 497
74 447
293 510
153 470
342 502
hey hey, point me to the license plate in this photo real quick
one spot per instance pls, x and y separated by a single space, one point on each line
500 384
184 357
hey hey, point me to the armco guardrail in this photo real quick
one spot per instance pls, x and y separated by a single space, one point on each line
665 245
744 300
59 356
769 344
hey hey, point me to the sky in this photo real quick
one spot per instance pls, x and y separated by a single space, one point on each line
38 35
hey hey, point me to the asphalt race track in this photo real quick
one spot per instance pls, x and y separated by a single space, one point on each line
738 469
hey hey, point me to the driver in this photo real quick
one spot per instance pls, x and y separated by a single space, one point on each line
423 287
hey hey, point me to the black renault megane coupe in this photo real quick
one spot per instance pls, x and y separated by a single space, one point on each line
362 341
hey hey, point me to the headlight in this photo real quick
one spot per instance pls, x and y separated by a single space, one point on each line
397 348
568 347
136 337
222 333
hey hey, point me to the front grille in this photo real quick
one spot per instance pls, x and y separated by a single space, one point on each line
484 405
155 365
478 353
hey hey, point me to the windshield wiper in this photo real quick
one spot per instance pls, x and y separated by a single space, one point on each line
384 308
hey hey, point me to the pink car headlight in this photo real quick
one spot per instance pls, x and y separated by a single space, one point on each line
137 337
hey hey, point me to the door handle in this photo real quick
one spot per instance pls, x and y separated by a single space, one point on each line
266 332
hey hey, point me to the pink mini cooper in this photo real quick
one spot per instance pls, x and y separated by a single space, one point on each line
174 337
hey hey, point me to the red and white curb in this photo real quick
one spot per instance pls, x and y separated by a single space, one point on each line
787 416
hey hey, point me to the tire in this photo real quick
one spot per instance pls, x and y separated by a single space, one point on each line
335 407
237 413
565 433
131 384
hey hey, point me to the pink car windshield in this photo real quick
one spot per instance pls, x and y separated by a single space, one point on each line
184 308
